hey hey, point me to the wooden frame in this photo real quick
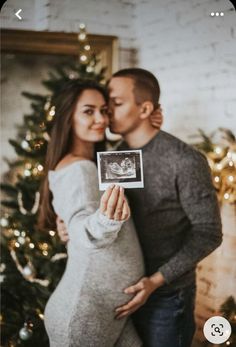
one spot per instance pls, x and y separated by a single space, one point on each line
59 43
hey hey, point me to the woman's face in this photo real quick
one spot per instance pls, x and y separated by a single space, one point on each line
90 118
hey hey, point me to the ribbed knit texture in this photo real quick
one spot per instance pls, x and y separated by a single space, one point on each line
104 257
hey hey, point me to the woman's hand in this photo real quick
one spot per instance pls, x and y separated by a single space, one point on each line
156 118
114 204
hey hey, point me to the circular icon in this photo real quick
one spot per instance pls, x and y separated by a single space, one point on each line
217 329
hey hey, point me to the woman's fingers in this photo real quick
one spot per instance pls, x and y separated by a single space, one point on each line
112 202
105 197
126 210
119 206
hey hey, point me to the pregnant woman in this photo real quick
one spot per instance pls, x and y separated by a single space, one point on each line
104 255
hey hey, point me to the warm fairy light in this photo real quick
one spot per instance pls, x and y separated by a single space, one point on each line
28 166
27 173
40 167
45 246
25 144
23 233
218 167
45 253
87 47
35 171
231 178
31 245
83 57
231 163
226 196
21 240
17 244
82 26
41 316
52 233
16 233
228 343
4 222
217 179
82 36
89 69
218 150
52 111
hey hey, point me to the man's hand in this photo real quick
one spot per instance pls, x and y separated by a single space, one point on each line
61 229
142 290
156 118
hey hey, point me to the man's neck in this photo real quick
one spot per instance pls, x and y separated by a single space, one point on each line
140 136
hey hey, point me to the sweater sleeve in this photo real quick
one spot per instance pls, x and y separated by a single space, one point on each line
198 199
76 200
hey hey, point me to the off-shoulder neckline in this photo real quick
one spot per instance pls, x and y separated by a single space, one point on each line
68 166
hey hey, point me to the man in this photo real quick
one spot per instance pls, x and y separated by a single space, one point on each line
176 214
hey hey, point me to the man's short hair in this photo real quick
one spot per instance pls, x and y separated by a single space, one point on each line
146 86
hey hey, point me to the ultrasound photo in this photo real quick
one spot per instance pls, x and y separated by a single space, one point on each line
120 167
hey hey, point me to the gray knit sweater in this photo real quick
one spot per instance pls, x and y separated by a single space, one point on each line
104 257
176 214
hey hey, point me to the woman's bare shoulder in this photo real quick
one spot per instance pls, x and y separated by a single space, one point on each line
67 160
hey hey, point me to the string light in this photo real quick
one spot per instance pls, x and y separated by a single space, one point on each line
82 36
25 145
83 58
4 222
52 233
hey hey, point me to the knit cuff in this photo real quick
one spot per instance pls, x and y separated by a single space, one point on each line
104 220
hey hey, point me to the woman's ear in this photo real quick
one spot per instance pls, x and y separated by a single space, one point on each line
146 109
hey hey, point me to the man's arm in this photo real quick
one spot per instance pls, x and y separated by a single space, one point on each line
199 201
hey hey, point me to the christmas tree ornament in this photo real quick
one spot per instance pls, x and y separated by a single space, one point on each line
35 207
26 332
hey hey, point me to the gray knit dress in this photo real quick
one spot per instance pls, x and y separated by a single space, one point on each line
104 257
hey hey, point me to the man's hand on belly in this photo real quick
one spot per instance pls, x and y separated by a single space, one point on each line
142 290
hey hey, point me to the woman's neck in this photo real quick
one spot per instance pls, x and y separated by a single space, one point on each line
83 149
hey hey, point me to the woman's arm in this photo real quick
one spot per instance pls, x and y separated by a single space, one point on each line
76 200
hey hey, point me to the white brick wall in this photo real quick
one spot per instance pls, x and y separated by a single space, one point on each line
193 57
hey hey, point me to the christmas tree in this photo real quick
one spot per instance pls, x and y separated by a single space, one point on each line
33 260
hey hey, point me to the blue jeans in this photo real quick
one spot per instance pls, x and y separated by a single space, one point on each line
167 320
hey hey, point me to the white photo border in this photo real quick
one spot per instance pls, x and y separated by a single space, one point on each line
129 185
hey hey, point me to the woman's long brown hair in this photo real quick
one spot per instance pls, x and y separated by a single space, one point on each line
61 141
